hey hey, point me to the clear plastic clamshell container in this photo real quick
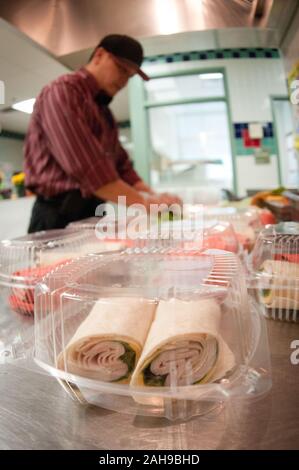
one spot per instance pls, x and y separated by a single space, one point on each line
26 260
112 231
246 222
221 236
85 224
275 271
161 332
191 235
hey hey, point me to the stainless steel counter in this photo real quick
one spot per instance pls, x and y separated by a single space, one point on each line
36 413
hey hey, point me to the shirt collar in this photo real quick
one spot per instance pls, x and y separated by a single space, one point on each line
90 81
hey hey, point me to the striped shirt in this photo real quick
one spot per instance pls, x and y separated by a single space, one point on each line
72 140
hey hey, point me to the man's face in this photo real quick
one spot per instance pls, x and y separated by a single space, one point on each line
114 72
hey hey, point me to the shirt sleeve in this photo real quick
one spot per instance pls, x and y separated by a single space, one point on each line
71 140
125 167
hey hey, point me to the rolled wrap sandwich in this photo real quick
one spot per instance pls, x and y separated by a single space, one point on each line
183 346
283 291
108 344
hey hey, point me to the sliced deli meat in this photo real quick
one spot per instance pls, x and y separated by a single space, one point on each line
108 344
184 346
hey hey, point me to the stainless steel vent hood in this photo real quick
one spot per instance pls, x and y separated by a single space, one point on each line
66 26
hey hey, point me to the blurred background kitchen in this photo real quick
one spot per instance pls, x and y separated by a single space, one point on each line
215 121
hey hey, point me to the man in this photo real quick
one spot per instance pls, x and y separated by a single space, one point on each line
73 158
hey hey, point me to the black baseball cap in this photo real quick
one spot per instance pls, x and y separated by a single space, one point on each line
126 49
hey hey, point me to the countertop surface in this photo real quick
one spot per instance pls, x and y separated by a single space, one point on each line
36 413
15 216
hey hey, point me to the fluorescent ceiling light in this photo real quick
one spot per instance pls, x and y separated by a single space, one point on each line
210 76
25 106
167 16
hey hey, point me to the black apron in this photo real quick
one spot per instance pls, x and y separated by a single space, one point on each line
58 211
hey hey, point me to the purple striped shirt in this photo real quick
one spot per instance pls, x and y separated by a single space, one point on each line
72 141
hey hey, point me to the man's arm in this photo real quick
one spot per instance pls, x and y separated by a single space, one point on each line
143 187
125 167
128 174
111 192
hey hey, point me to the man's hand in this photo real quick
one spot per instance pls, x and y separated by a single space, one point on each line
112 191
164 198
171 199
159 199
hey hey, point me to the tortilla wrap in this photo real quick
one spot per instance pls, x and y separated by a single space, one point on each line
108 344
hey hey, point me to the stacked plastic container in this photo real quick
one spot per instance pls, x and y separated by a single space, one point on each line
85 224
186 234
246 222
226 228
221 236
111 231
26 260
23 264
158 331
275 271
117 224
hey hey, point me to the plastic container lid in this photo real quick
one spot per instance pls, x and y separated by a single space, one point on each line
222 236
275 270
204 232
156 332
84 224
26 260
249 215
113 231
187 234
246 222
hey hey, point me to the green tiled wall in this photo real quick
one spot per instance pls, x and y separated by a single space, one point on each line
236 53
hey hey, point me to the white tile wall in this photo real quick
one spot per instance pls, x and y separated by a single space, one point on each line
251 83
253 176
